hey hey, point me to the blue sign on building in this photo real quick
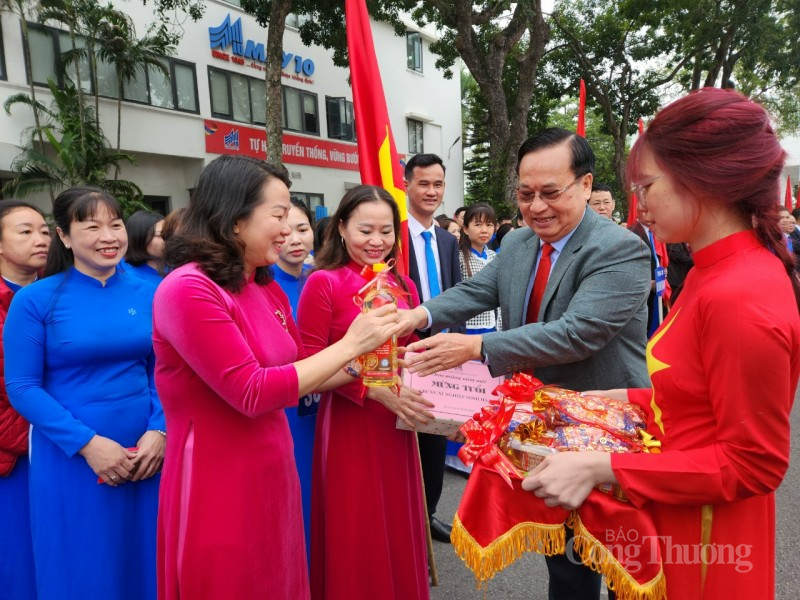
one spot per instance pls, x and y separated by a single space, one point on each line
229 34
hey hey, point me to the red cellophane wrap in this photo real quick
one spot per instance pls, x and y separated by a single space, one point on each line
611 536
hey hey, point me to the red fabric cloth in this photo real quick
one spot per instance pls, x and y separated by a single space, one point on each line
581 128
367 521
492 512
539 284
378 160
724 367
224 376
13 427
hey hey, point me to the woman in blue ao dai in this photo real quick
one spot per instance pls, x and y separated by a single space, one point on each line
79 368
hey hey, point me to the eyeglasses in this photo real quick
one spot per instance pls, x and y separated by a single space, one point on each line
640 189
601 203
548 196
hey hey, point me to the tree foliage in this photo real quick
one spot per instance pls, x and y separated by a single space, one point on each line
625 57
273 16
67 161
486 36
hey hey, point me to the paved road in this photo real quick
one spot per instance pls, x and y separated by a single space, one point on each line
527 578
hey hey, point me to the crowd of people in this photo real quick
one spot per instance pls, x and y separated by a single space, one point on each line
182 415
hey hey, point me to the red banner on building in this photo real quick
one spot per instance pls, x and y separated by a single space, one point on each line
232 138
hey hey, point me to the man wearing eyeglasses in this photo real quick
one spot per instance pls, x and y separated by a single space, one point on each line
602 201
572 287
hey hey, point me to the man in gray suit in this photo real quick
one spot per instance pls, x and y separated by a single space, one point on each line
572 288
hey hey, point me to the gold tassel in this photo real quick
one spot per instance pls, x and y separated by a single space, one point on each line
599 558
485 563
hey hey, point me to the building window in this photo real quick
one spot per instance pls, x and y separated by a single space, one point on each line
177 90
414 51
295 21
159 204
237 97
312 201
340 119
300 111
47 46
3 74
415 140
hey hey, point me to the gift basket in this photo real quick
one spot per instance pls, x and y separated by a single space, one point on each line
497 521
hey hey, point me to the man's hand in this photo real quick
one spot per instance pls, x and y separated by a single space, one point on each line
411 320
443 351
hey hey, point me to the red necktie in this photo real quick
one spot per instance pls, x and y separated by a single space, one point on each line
539 283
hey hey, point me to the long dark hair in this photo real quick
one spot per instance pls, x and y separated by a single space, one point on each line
480 211
333 253
228 190
141 228
297 203
718 144
75 204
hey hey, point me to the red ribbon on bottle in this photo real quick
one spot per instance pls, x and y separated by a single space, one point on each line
370 275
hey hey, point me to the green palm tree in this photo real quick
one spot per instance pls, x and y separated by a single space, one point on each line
92 19
65 12
130 56
20 8
68 162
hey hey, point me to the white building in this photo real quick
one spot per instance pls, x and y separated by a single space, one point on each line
214 103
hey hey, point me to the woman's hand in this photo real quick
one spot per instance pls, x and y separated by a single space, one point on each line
150 455
565 479
370 330
410 406
109 460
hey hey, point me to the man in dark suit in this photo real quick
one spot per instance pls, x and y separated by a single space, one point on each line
433 267
572 288
641 229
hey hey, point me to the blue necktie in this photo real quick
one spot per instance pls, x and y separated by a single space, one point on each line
430 260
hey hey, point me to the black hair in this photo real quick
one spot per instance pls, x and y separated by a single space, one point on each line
297 203
6 206
422 160
444 221
601 187
75 204
796 213
333 253
480 211
459 210
582 155
141 228
319 233
501 233
228 189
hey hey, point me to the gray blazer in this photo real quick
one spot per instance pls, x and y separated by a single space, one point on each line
591 332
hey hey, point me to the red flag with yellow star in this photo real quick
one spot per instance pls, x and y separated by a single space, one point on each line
378 160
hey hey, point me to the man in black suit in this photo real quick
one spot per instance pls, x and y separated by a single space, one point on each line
433 267
641 229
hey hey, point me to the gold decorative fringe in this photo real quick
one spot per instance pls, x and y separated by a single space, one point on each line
598 558
485 563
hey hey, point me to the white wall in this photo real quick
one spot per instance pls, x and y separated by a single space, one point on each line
171 145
